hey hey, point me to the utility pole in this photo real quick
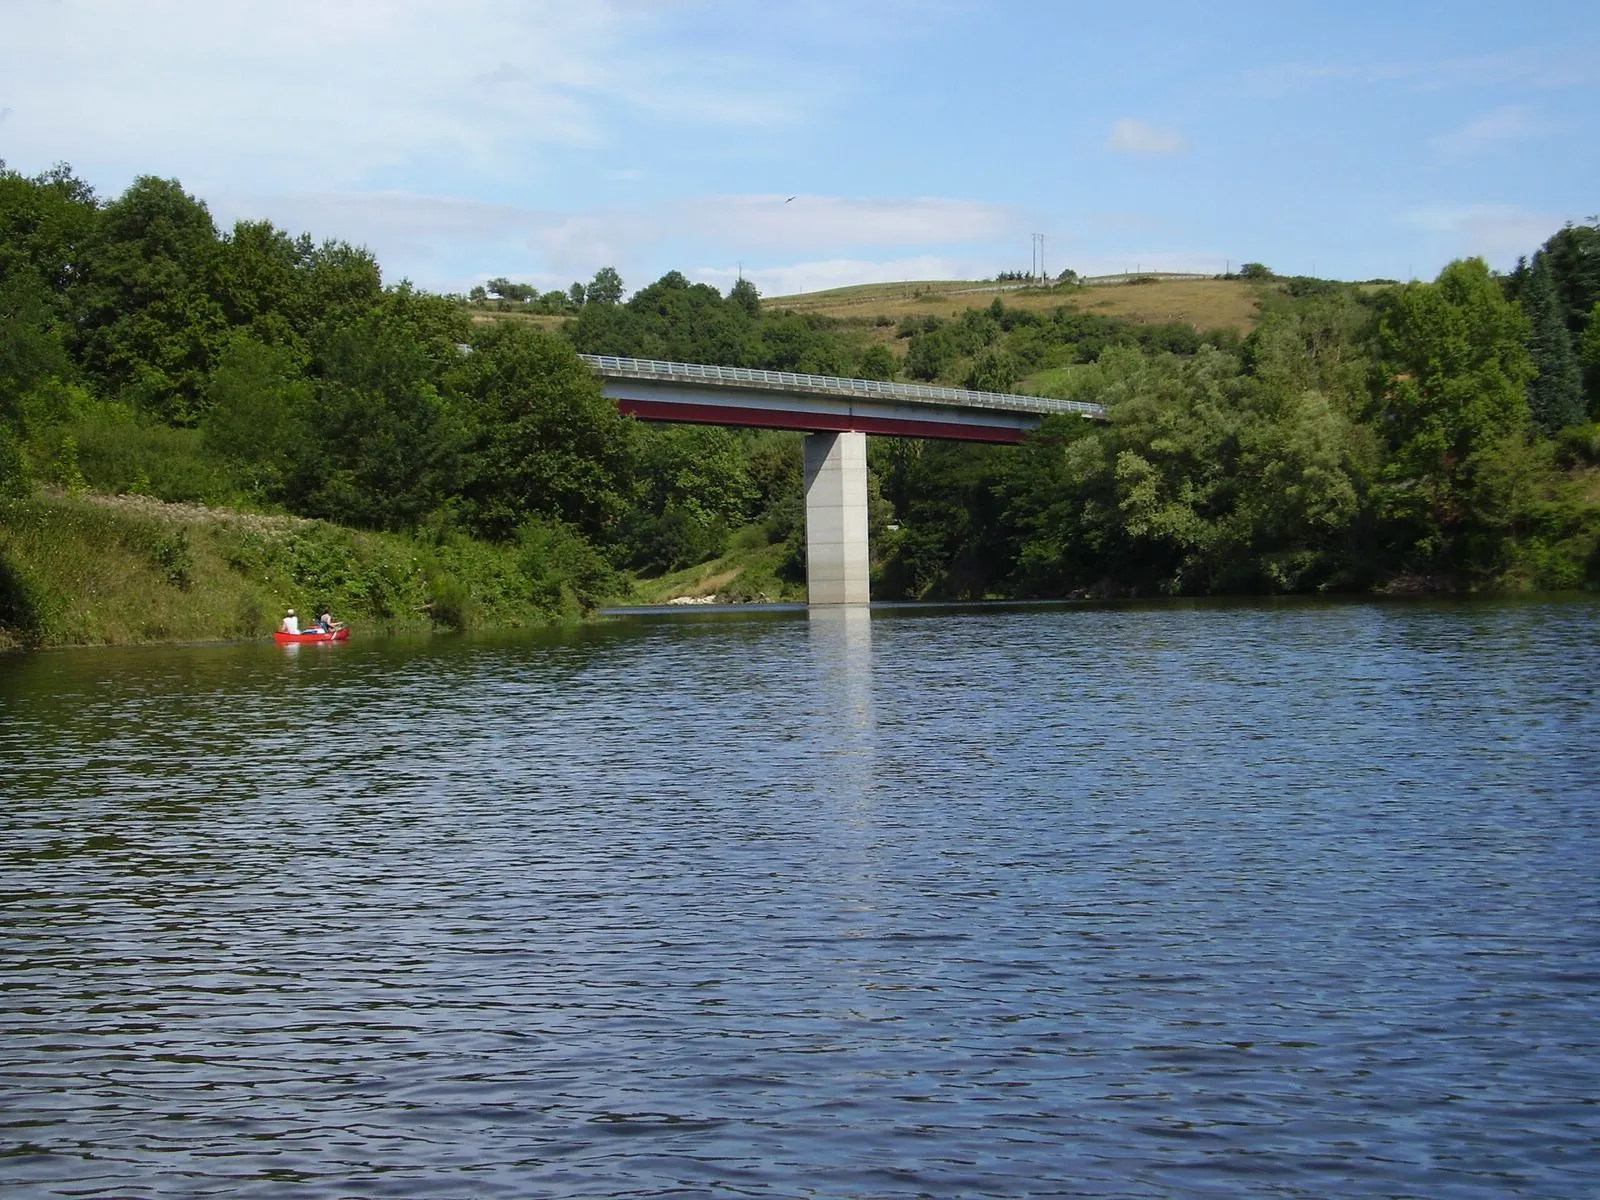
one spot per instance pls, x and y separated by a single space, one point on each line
1044 275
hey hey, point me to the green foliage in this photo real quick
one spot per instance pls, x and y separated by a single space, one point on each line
383 449
20 614
1555 396
148 327
677 537
260 414
993 370
542 439
931 354
118 451
450 602
605 288
744 294
566 574
1453 386
878 362
1579 445
1589 356
699 469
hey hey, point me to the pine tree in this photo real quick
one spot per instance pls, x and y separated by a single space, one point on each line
1555 396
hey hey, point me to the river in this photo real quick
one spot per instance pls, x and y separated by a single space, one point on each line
1289 899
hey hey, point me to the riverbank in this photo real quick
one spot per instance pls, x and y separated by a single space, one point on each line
95 569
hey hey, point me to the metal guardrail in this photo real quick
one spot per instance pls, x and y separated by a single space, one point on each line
830 385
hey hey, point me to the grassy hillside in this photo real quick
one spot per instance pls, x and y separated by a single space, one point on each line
109 570
870 311
752 571
1206 304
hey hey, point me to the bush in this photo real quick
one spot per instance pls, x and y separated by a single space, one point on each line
13 466
450 603
111 451
1578 445
677 538
19 603
565 572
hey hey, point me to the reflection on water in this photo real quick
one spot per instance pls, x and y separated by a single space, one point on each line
841 644
1166 901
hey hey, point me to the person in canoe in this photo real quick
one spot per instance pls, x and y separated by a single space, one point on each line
290 623
327 624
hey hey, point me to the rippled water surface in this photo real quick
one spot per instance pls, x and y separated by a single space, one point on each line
1169 901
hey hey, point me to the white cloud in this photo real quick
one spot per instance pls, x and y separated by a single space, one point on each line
1511 123
447 242
339 95
1498 233
1129 136
809 223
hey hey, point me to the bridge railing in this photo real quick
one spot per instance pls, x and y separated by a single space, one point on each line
830 385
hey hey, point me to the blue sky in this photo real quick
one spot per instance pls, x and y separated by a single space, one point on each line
542 140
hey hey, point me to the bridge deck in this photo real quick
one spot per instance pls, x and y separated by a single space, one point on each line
791 383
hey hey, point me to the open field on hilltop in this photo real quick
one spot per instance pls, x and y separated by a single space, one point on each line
544 321
1204 303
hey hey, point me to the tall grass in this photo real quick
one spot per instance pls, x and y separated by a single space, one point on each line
108 570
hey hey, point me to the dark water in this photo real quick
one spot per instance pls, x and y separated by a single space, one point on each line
1294 901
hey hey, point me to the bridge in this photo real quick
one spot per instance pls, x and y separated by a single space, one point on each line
836 415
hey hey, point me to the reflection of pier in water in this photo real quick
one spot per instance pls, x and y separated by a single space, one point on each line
836 415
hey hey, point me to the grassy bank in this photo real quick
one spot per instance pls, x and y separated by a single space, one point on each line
752 571
110 570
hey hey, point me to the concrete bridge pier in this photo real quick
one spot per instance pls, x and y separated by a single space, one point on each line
836 518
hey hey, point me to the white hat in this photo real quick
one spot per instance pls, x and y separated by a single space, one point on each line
290 613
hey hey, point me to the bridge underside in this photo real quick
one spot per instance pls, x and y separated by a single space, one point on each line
815 414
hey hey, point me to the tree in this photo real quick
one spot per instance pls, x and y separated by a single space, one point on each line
1591 361
993 370
878 362
931 353
543 439
576 294
385 449
148 327
1555 395
604 288
260 412
45 225
342 285
1452 384
259 278
744 294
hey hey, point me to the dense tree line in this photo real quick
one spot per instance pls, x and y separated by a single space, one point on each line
143 349
1434 433
1431 435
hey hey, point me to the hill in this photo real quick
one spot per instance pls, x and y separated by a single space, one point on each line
1206 304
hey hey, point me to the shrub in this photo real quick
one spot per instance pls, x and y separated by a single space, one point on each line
677 538
450 603
1578 445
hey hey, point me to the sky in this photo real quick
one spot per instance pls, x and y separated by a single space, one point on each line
807 144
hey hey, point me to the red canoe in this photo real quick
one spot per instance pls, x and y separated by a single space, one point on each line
291 639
